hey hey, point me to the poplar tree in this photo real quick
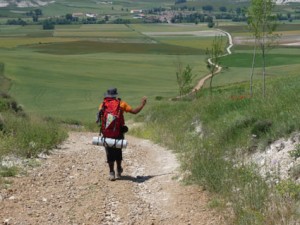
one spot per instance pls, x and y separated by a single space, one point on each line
214 54
262 24
184 78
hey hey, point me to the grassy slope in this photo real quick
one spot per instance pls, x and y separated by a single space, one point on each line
72 86
228 120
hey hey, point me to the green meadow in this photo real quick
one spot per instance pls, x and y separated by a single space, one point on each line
65 75
73 85
242 59
237 67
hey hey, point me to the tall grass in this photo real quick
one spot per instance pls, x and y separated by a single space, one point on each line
21 134
214 134
27 137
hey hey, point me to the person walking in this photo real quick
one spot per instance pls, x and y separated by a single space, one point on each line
112 123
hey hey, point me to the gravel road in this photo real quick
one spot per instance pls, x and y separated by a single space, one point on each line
71 186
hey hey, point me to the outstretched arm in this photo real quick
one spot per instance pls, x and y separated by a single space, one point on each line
140 107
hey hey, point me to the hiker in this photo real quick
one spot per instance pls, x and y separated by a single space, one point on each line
112 103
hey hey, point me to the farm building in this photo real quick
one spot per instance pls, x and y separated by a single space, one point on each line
136 11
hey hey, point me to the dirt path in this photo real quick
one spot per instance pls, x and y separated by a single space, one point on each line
201 82
71 187
219 68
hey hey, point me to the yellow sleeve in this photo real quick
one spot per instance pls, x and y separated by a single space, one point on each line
125 107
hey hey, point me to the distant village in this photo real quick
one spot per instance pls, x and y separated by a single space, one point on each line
136 14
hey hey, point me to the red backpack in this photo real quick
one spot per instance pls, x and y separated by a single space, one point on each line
112 118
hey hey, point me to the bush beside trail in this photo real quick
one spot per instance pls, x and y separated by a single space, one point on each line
23 137
21 134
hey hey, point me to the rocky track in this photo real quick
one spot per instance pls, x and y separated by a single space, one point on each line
71 186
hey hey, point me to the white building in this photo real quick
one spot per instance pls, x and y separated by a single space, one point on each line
136 11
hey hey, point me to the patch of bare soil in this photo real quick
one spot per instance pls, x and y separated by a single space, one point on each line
285 40
71 187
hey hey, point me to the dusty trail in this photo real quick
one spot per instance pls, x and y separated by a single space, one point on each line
202 81
71 187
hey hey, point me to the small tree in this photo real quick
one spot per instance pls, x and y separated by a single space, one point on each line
262 23
35 18
214 55
48 25
223 9
210 24
184 77
38 12
69 17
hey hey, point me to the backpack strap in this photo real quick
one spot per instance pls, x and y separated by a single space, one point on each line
100 114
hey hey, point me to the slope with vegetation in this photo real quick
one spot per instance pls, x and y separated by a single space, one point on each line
214 136
20 134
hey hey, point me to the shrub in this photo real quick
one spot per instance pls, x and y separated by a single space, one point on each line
288 188
296 152
158 98
8 171
4 106
25 136
1 123
261 127
28 137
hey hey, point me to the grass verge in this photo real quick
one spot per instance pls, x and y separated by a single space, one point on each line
27 137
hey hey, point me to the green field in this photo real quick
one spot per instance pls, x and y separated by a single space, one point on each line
66 76
64 73
237 67
73 85
245 59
